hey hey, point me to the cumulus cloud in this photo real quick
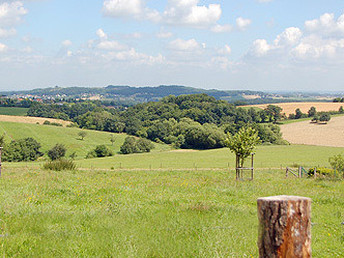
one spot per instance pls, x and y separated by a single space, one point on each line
242 23
184 45
111 45
222 28
101 34
11 13
326 25
67 43
5 33
3 47
226 50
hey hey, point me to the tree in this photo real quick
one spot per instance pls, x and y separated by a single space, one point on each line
341 110
298 113
99 152
337 163
274 113
82 134
112 139
57 152
312 112
243 143
325 117
22 150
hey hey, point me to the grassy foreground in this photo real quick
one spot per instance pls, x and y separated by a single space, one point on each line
152 214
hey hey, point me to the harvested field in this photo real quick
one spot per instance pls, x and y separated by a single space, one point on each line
31 120
289 108
331 134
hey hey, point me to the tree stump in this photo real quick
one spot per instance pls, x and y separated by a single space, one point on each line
284 226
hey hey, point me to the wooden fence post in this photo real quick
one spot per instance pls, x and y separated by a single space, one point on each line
286 172
284 226
300 172
315 172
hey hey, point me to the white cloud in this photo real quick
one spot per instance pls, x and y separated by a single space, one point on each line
133 56
260 47
326 25
67 43
11 13
184 45
4 33
222 28
101 34
289 36
129 8
3 48
111 45
242 23
188 12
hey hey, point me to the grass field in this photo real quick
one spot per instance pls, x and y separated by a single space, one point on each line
31 120
289 108
13 111
49 135
153 214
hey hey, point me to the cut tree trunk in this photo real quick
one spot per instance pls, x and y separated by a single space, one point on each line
285 226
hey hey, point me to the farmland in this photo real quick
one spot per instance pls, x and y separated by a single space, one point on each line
164 203
289 108
31 120
305 132
13 111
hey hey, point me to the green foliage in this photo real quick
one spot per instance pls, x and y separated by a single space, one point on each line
60 164
312 112
57 152
324 117
22 150
82 134
99 152
243 143
273 113
131 145
337 163
327 172
341 110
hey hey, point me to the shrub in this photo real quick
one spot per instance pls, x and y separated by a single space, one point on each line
46 122
99 152
56 124
22 150
57 152
328 172
131 145
60 164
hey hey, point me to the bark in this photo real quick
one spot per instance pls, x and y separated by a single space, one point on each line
285 226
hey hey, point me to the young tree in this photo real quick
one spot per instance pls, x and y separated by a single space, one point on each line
341 110
312 112
298 113
112 139
243 143
57 152
337 163
82 135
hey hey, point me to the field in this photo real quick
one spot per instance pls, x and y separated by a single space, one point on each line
153 214
31 120
305 132
13 111
289 108
49 135
167 203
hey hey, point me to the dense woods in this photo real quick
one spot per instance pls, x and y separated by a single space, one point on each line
187 121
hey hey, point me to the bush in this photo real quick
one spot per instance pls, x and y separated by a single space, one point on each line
57 152
60 164
131 145
327 172
46 122
22 150
99 152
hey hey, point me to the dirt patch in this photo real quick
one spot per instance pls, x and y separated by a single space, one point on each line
31 120
331 134
289 108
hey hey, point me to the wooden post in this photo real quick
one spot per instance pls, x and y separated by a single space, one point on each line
315 172
252 164
286 172
284 226
0 160
237 172
300 172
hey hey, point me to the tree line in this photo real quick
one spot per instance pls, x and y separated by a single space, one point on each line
187 121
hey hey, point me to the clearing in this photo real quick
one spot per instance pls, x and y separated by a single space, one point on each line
331 134
289 108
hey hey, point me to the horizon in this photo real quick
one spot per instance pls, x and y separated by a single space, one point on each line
208 44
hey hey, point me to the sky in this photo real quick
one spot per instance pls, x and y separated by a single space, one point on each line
269 45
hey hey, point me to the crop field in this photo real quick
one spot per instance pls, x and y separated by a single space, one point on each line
289 108
31 120
305 132
13 111
153 213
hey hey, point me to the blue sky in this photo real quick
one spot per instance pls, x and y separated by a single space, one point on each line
249 44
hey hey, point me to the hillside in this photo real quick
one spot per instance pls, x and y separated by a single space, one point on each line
49 135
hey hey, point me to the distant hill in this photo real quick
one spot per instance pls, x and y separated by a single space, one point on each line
132 95
137 94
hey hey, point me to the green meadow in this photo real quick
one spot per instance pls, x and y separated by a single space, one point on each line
167 203
172 213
